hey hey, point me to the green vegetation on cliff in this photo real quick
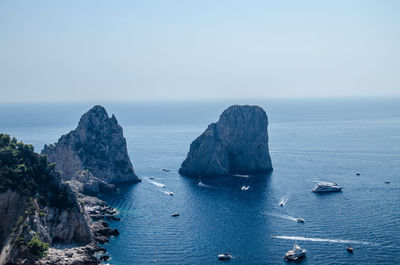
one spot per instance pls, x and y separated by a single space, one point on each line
30 174
38 247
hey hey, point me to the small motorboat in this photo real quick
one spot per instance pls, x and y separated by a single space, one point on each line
387 182
281 204
300 220
297 253
170 193
166 170
224 256
358 173
245 187
151 178
350 249
175 215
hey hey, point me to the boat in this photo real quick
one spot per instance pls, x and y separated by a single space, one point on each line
358 173
326 187
300 220
281 204
245 187
224 256
387 182
166 170
175 215
170 193
350 249
151 178
297 253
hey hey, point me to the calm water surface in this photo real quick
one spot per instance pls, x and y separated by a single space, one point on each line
309 141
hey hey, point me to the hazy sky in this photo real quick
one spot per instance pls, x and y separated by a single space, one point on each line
143 50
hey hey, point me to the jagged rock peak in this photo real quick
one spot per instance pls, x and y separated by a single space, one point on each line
96 145
236 144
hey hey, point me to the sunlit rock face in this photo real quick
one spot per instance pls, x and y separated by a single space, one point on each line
97 145
236 144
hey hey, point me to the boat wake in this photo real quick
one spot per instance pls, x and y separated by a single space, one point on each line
287 217
241 176
328 240
283 200
170 193
201 184
155 183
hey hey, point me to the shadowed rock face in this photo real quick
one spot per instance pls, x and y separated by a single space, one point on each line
96 145
236 144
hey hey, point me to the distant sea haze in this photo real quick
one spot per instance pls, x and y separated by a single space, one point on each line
310 141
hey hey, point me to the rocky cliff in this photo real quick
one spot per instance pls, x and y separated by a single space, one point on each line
236 144
95 153
38 209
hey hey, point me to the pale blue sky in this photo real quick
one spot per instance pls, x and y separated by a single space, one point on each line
177 50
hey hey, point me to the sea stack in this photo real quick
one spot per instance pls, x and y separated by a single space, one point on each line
95 153
236 144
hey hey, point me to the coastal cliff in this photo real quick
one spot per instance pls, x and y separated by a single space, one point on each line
94 155
39 210
236 144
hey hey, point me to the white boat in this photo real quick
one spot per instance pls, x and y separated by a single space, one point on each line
245 187
326 187
224 256
166 170
170 193
175 215
296 253
300 220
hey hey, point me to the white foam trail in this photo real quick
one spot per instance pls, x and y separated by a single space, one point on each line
287 217
314 239
241 176
201 184
158 184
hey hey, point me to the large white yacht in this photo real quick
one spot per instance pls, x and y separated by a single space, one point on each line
326 187
296 253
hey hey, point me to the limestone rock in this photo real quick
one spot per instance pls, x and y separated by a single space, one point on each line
96 145
236 144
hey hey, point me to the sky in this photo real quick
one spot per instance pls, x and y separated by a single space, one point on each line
55 51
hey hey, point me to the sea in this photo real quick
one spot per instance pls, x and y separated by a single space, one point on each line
310 140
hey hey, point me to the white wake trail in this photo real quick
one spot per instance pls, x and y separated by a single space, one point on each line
314 239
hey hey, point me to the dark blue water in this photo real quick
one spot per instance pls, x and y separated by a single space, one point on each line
310 140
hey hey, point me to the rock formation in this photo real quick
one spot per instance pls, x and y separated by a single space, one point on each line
94 154
38 209
236 144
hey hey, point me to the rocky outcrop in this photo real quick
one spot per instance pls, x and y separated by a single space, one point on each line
95 153
80 255
28 219
38 210
236 144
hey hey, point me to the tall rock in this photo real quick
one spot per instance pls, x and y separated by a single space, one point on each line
236 144
96 149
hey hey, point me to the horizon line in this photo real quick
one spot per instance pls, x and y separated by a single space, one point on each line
200 100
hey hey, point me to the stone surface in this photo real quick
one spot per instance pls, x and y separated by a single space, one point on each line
98 146
236 144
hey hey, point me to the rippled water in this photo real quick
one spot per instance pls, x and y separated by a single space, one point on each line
314 143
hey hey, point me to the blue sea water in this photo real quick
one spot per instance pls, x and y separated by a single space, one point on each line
310 140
